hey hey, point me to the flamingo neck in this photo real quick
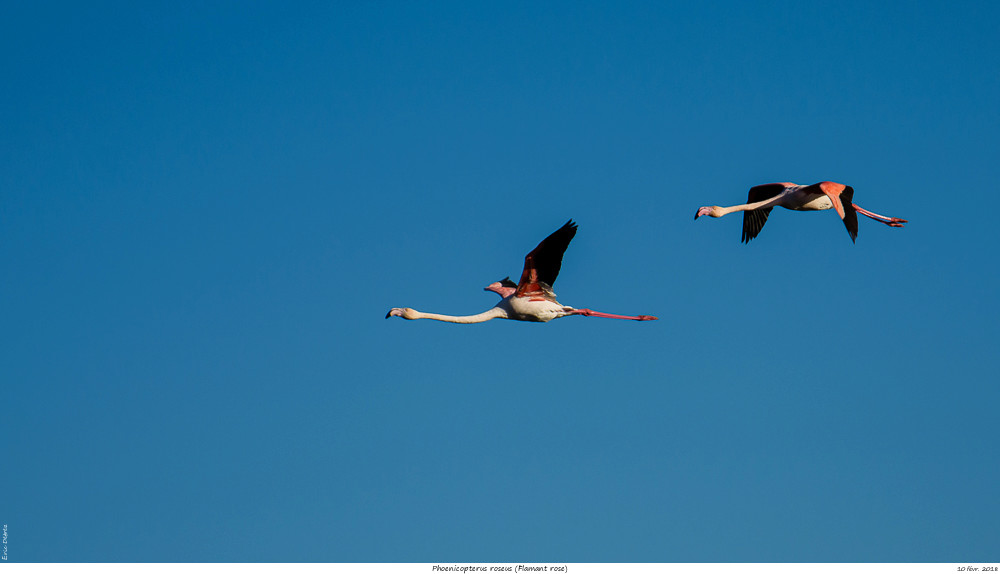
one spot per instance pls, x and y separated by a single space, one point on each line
751 206
494 313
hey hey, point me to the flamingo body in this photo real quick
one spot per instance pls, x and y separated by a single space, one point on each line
531 298
535 309
811 202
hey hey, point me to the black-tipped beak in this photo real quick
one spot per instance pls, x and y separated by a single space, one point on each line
387 315
696 213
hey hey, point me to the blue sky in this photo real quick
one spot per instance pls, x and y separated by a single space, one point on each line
206 211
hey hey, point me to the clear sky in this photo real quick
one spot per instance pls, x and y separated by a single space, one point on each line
206 211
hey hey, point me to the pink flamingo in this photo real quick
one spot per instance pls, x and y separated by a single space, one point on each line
530 299
823 195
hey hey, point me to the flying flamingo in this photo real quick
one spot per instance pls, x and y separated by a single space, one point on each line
530 299
823 195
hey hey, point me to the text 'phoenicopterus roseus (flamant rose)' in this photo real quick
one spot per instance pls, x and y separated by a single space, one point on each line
823 195
532 298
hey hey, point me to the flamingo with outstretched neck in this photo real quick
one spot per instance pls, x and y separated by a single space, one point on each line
531 298
819 196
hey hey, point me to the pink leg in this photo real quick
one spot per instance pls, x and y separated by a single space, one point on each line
589 313
890 221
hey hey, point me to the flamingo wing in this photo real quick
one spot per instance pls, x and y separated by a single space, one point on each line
753 221
541 266
842 197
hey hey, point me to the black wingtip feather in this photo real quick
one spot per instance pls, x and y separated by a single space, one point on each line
850 214
753 222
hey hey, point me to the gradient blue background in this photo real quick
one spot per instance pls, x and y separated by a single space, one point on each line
205 212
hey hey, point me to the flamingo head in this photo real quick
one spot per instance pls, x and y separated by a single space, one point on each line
709 210
504 287
404 312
